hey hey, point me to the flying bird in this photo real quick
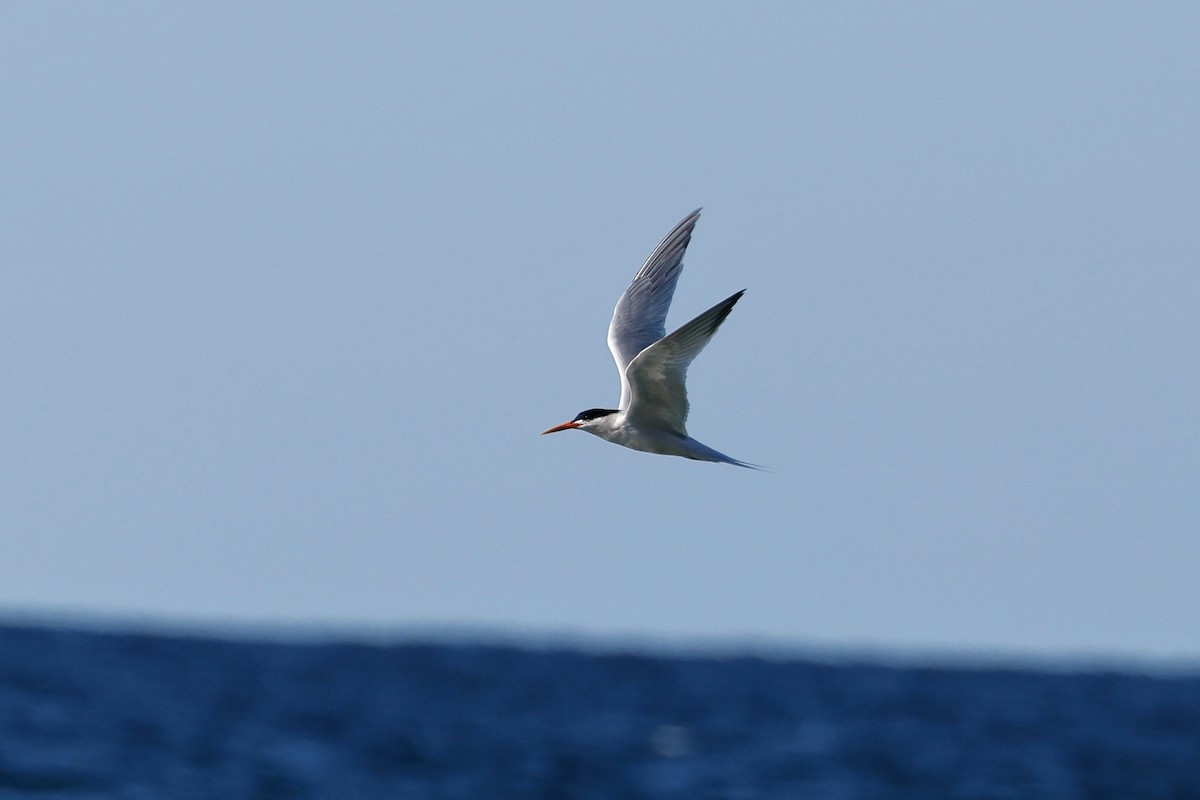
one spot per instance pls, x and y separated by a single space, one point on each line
653 366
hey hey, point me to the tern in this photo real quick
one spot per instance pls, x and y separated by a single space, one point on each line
654 404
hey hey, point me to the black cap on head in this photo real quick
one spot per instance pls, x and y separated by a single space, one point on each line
593 413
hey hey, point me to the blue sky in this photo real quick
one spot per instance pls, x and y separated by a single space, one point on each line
289 291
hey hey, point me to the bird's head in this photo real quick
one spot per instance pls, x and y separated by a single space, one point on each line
592 418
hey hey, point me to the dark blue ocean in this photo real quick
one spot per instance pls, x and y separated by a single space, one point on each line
107 715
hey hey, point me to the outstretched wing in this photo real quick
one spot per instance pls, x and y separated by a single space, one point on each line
639 320
656 376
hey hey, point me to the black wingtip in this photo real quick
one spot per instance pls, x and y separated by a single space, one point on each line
726 306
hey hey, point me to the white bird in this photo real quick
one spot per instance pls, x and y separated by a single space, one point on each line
654 405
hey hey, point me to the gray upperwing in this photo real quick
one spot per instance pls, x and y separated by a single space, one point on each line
639 319
657 376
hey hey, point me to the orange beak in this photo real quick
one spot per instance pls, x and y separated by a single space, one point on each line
565 426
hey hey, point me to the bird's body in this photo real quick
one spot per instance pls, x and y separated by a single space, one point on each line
653 409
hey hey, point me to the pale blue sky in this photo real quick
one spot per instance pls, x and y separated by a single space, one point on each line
290 289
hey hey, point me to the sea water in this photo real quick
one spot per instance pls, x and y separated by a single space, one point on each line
107 715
